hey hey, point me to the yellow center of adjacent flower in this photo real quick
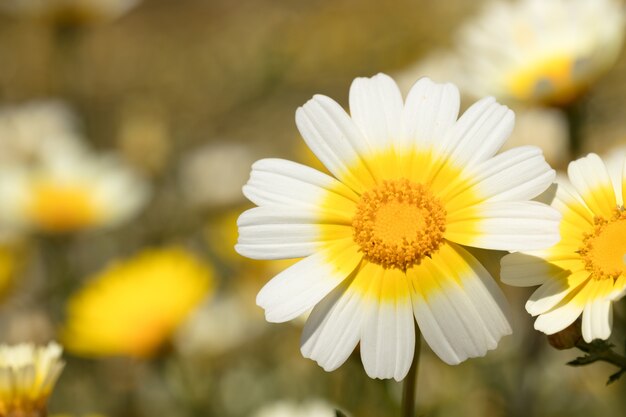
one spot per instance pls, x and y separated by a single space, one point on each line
604 248
62 207
556 79
398 223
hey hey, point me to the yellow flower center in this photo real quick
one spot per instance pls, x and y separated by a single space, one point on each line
398 223
604 248
553 80
62 207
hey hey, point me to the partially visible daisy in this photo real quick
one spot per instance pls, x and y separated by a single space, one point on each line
133 307
32 130
69 11
68 192
27 375
285 408
383 240
546 51
584 273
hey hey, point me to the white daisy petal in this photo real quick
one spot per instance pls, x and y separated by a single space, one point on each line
525 270
267 232
558 319
479 133
333 329
459 308
560 284
376 107
334 139
280 182
592 181
301 286
517 174
430 111
526 225
388 331
597 320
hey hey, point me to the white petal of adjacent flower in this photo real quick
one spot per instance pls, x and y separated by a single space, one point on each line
301 286
528 269
460 310
430 111
592 181
597 320
388 331
280 233
558 286
520 225
334 138
333 329
479 133
376 107
279 182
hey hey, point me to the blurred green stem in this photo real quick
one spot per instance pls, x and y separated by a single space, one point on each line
410 382
575 113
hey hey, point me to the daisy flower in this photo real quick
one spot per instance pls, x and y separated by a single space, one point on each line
384 237
287 408
133 307
27 375
585 271
70 191
546 51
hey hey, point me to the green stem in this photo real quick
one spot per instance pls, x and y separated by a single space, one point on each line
604 354
575 113
410 382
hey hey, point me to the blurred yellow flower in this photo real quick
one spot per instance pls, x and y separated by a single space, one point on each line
133 306
27 375
70 191
540 51
10 261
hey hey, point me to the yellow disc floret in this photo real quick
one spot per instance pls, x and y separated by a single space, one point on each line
604 248
398 223
63 207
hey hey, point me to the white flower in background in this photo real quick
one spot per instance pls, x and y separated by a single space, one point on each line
545 127
383 240
27 376
223 163
583 273
78 11
547 51
68 192
30 131
311 408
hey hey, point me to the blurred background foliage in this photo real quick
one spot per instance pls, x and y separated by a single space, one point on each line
187 94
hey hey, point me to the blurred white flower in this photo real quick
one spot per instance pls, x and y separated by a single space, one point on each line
31 130
439 66
546 51
219 325
311 408
212 176
76 11
69 191
544 127
27 375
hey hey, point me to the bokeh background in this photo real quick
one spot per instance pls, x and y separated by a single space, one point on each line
184 95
